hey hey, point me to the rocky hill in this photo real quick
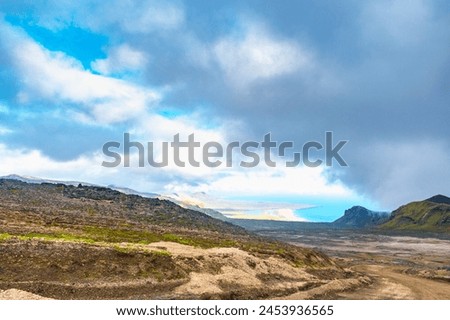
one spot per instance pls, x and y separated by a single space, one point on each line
88 242
432 214
360 217
439 199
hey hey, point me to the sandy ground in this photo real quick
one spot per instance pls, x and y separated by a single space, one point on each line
236 269
14 294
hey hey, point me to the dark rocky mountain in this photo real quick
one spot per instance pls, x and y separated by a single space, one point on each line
439 199
432 214
360 217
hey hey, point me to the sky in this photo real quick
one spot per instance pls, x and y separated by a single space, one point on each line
77 74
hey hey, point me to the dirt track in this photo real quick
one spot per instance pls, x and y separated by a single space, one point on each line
391 283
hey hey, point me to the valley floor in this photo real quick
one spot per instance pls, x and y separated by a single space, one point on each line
399 267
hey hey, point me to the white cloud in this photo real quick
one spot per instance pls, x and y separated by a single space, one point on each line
261 182
5 130
275 214
58 77
258 55
85 168
120 59
34 163
298 181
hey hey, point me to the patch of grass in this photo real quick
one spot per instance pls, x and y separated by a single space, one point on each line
55 237
299 264
5 237
130 249
126 250
163 253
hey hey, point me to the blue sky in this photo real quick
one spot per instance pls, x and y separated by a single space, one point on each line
75 75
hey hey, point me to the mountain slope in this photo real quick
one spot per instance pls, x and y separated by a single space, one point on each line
89 242
210 212
432 214
360 217
91 205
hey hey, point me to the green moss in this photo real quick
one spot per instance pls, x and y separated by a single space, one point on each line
163 253
299 264
126 250
55 237
130 249
5 237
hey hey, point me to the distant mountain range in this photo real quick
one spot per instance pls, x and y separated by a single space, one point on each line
432 214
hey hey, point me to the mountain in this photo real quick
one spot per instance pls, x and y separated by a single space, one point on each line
432 214
67 202
360 217
439 199
185 204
